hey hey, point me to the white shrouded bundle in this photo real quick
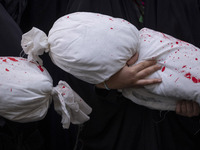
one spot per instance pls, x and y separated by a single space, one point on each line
26 91
93 47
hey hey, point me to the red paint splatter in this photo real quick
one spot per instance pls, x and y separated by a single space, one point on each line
176 80
23 59
161 41
110 19
7 69
13 59
40 68
194 80
63 87
67 16
176 42
111 28
196 58
4 60
165 36
188 75
184 66
163 69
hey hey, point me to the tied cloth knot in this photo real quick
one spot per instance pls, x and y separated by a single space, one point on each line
70 105
35 43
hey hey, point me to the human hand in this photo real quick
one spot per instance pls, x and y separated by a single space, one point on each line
187 108
133 76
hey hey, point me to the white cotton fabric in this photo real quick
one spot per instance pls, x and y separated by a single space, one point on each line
180 71
87 45
93 47
26 91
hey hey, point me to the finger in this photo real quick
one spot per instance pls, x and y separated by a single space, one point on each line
148 71
143 65
144 82
178 107
189 108
133 59
183 108
196 108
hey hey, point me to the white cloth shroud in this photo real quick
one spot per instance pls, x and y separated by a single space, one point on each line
26 91
93 47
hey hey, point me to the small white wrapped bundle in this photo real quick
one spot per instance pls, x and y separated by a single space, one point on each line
87 45
93 47
26 91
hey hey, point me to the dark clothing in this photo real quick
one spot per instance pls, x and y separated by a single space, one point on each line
20 136
179 18
15 8
10 32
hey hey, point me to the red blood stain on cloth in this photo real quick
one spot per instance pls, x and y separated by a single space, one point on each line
163 69
194 79
184 66
13 59
41 68
176 80
164 36
188 75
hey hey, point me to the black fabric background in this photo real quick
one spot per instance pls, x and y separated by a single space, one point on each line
116 123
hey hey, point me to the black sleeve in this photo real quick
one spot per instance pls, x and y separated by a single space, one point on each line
10 39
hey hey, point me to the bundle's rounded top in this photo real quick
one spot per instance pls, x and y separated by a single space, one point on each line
90 46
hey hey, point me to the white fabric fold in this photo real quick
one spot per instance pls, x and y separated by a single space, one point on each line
70 105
